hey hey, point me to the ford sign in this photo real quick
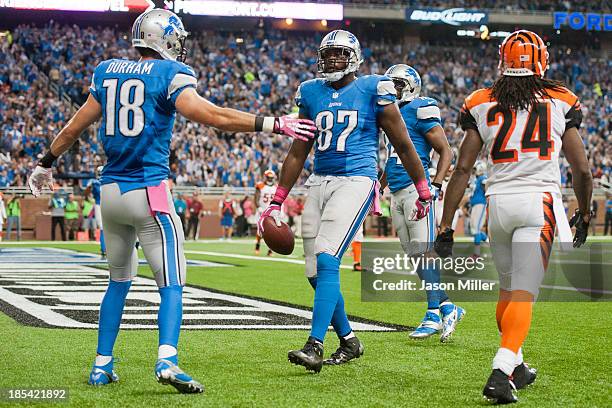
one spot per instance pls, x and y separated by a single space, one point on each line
454 16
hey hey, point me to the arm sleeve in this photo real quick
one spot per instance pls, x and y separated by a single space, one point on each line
428 116
573 117
183 79
385 92
466 120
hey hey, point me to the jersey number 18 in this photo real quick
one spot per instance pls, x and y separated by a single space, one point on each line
131 98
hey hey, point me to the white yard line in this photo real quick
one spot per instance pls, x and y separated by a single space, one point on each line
255 258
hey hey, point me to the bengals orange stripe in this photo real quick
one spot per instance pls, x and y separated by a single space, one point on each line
548 229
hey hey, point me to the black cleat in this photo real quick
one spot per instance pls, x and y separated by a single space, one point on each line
348 350
499 389
523 375
310 356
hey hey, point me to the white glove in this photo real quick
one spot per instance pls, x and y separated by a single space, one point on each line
39 179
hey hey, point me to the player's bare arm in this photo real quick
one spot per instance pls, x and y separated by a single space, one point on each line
437 140
383 180
191 105
468 153
42 176
390 120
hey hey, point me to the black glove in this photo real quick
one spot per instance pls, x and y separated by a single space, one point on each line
444 243
582 228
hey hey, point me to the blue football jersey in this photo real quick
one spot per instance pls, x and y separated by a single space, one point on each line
478 193
95 190
138 110
347 129
420 115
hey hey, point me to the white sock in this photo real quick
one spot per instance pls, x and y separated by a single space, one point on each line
349 336
103 360
446 302
434 311
166 351
519 357
505 360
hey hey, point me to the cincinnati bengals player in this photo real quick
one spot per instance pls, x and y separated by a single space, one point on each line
524 121
264 192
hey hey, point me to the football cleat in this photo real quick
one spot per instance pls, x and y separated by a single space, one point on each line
451 315
167 372
430 325
499 388
310 356
357 267
348 350
523 375
102 375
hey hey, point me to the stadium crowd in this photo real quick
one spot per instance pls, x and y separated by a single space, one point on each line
257 72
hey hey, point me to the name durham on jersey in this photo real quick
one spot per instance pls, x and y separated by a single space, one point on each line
129 67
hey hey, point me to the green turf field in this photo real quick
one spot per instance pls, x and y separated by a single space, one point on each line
569 344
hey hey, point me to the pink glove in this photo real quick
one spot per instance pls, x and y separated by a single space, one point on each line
421 205
301 129
274 211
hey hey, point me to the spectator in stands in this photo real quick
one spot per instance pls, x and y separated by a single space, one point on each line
608 221
248 212
89 215
180 205
194 208
13 216
57 205
72 217
2 214
227 211
383 220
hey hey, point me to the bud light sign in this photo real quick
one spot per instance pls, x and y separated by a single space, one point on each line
454 16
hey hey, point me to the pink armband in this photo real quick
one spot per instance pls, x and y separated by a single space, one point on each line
280 195
422 189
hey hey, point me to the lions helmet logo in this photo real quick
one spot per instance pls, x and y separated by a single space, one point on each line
174 24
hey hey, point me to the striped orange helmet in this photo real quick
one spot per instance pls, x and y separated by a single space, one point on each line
523 53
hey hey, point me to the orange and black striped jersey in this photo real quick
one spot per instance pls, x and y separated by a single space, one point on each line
523 145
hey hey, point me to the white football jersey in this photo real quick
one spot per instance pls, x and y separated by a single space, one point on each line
266 194
523 146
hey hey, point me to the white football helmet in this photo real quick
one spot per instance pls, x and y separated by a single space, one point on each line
407 81
348 43
162 31
480 168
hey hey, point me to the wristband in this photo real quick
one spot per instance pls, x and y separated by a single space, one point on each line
264 124
47 160
423 189
280 195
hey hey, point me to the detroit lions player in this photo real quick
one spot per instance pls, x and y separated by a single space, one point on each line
94 187
348 112
478 206
422 117
137 101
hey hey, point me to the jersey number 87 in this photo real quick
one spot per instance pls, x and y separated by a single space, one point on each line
325 123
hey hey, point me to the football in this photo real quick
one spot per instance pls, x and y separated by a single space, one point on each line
279 239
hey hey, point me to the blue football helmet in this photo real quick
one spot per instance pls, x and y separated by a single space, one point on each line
407 81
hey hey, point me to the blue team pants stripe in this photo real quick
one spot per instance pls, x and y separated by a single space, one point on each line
170 250
357 223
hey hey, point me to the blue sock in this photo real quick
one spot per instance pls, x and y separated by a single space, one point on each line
339 320
327 293
432 275
102 243
170 315
111 310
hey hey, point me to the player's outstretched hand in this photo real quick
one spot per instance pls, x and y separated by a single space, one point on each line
444 243
40 178
273 211
301 129
582 228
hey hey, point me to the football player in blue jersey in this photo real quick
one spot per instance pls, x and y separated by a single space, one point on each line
348 112
478 206
422 117
94 187
136 102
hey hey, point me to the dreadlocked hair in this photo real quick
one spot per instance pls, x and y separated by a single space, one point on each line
519 93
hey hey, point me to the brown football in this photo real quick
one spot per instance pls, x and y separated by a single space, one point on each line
279 239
